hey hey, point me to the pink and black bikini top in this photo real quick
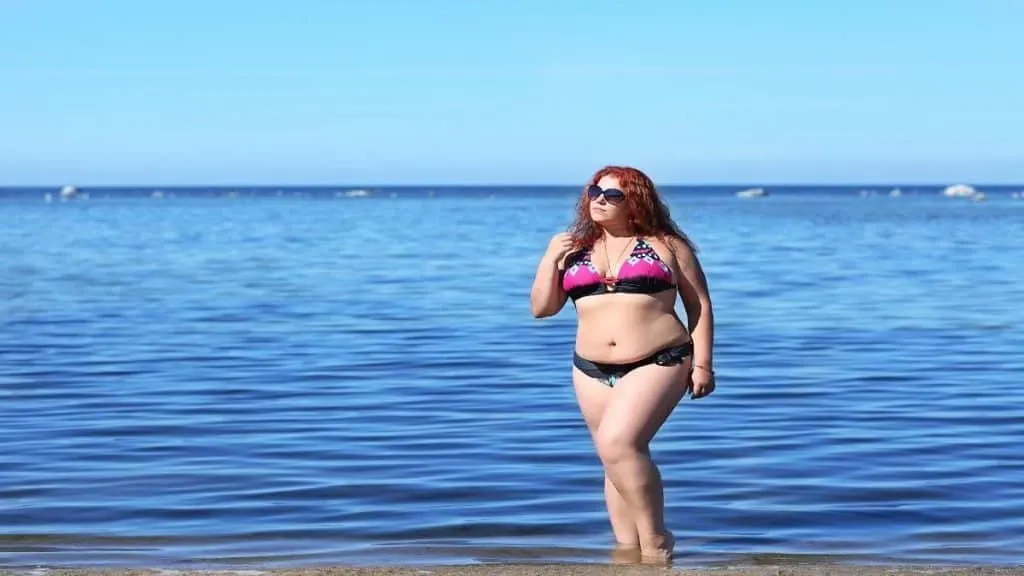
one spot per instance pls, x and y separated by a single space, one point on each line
643 272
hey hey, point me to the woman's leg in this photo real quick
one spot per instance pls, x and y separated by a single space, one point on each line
635 410
593 395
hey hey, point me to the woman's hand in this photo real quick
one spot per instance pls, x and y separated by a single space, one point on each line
560 245
702 382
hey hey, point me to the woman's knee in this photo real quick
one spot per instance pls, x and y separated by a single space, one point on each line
614 445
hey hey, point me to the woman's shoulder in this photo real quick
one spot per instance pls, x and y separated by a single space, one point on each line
662 245
672 249
678 246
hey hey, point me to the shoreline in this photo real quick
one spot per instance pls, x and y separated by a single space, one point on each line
820 568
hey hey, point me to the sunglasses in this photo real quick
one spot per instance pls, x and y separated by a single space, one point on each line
612 195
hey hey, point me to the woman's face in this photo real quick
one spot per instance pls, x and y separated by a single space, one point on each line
607 201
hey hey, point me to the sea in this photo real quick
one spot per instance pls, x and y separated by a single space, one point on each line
286 377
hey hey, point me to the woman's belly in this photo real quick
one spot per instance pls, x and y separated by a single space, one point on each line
620 328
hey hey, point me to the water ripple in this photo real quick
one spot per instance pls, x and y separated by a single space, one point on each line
292 381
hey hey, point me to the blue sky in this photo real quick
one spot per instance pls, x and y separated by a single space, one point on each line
527 91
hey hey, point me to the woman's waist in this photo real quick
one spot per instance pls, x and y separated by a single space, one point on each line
628 339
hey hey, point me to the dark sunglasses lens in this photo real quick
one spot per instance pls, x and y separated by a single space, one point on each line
614 196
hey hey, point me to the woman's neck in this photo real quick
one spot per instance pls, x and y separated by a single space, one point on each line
616 232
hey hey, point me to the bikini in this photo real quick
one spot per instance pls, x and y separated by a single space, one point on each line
643 272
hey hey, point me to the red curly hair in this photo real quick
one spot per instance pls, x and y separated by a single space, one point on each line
648 214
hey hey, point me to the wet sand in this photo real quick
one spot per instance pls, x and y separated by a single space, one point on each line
819 569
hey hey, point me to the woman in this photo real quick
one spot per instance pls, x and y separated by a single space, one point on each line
622 264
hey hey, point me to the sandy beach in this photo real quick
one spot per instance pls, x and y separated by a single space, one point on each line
817 569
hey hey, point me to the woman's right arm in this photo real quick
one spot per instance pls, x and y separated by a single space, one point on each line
546 295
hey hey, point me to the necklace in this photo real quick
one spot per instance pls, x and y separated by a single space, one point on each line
609 280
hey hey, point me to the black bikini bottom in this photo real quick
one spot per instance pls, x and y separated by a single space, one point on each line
609 373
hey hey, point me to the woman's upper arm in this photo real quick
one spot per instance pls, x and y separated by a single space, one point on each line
693 284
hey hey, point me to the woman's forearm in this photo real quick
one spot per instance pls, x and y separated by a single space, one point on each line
702 331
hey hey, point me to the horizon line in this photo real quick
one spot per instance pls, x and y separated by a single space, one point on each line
796 184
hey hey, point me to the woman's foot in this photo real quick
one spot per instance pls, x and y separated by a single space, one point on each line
626 553
657 549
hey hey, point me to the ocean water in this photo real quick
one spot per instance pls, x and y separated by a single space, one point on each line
291 377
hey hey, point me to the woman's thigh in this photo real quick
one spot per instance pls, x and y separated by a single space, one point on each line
641 401
592 396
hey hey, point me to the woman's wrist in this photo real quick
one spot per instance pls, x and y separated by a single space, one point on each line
705 367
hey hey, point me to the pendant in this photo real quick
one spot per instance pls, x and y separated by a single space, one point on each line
609 284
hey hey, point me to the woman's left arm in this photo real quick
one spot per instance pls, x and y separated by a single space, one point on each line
693 288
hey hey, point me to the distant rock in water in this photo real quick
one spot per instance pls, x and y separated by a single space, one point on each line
752 193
